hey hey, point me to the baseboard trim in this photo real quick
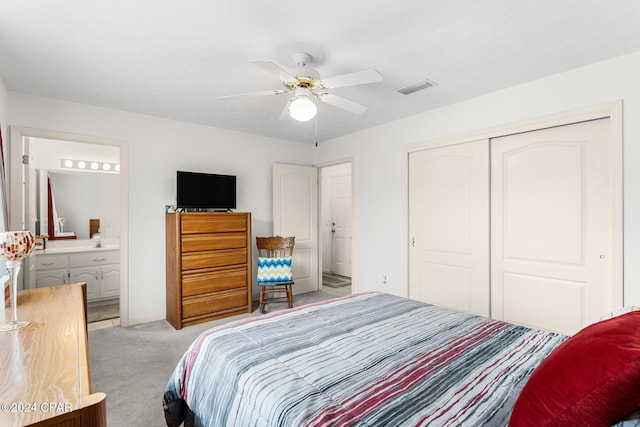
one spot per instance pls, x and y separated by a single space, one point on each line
140 320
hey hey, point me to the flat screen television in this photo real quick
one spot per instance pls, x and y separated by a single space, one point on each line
197 190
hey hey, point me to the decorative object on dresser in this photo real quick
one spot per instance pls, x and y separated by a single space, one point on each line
45 379
208 266
14 247
6 285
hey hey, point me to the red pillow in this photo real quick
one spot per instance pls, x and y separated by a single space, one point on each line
592 379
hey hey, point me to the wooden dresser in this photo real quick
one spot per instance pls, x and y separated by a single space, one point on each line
208 266
45 379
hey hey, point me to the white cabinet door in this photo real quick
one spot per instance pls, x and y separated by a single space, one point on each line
109 281
53 277
89 275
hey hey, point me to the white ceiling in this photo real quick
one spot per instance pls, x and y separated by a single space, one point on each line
172 59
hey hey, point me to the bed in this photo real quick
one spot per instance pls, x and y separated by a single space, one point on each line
370 359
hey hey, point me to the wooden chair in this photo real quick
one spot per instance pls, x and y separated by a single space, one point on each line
275 250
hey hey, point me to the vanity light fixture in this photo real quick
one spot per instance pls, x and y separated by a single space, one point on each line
90 165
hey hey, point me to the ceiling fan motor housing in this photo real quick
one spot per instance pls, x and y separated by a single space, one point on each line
305 76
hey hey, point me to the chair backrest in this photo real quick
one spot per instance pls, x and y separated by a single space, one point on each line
275 246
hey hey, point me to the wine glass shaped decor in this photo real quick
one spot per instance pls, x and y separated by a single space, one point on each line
14 247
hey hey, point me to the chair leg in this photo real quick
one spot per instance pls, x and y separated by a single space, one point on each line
290 296
262 310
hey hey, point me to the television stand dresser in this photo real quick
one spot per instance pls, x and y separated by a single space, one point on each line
208 266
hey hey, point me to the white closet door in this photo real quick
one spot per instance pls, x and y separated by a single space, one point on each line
449 226
552 226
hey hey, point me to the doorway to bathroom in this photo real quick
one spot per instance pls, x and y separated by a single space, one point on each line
72 188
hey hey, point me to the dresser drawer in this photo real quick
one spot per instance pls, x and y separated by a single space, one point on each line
213 259
47 262
207 242
201 283
207 304
214 224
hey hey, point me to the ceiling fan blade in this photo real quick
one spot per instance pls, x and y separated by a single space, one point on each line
343 103
285 111
276 70
260 93
351 79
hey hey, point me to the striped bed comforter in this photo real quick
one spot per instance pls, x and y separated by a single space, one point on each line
365 360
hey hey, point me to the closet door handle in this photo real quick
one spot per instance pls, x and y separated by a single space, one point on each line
96 275
64 280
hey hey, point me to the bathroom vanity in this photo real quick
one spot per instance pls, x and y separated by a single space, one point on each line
99 268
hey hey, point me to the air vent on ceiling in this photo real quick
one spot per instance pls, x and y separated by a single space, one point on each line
415 87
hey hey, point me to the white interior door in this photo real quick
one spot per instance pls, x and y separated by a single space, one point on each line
341 224
552 226
295 213
449 226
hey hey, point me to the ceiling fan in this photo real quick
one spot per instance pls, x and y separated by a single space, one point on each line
306 85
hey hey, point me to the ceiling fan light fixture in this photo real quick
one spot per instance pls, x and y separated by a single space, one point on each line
301 107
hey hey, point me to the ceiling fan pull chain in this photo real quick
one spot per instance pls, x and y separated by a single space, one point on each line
316 130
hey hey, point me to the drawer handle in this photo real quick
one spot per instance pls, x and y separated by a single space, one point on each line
99 260
48 263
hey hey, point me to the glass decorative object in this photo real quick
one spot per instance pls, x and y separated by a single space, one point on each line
14 247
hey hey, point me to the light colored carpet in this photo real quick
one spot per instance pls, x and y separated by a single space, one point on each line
132 365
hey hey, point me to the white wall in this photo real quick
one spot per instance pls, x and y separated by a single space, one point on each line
156 149
378 160
3 110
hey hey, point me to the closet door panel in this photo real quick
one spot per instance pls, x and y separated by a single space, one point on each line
527 296
449 226
552 226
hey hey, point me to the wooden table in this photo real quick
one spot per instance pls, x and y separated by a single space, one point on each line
44 368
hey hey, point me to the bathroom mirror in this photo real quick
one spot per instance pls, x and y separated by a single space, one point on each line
77 200
71 186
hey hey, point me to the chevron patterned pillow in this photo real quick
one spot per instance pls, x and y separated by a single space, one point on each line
272 270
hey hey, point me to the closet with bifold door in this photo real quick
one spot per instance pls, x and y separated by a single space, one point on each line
523 224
